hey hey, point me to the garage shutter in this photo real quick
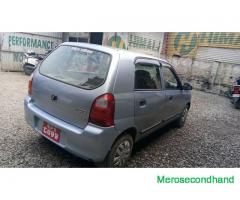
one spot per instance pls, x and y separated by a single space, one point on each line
147 43
224 55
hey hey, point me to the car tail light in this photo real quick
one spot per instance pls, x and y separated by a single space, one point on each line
102 111
30 84
236 90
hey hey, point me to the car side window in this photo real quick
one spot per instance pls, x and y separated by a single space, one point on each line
170 80
147 76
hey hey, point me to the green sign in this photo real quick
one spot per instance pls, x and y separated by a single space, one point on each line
144 43
183 48
29 42
18 57
185 43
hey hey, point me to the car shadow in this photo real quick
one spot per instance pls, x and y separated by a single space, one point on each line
151 138
67 159
64 159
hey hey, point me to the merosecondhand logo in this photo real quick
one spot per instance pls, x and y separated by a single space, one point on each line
201 180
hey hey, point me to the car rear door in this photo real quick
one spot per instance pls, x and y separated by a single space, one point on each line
148 94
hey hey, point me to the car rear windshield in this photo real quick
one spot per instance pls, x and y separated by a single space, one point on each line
77 66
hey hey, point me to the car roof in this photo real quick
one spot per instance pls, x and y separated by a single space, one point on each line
111 50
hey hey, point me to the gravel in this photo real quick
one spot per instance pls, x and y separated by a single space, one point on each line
210 137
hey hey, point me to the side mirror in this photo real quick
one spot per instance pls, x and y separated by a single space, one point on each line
186 86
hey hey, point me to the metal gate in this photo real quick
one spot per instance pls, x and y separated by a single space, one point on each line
225 55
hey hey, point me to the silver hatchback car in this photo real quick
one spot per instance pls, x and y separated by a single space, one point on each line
96 102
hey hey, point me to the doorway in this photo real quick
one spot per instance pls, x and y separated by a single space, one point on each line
96 37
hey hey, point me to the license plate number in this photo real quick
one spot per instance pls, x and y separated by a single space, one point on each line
51 132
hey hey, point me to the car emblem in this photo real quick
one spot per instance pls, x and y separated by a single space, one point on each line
54 97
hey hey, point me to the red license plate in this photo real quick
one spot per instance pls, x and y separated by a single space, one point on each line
51 132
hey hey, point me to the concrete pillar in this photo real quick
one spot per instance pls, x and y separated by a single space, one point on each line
65 37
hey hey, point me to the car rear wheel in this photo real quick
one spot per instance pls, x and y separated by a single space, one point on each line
182 119
121 152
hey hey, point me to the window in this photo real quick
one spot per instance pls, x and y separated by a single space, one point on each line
147 76
77 39
72 39
82 39
77 66
170 80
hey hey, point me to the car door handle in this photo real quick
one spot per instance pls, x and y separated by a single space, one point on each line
170 98
142 103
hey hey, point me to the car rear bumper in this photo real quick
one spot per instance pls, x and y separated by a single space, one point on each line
91 143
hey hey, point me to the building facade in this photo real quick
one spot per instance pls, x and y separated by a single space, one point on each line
211 61
13 45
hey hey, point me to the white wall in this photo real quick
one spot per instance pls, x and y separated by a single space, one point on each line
14 44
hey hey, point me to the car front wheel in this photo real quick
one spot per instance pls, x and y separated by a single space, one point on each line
237 105
182 119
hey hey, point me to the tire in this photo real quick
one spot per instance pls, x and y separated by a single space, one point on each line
27 71
237 105
182 119
120 153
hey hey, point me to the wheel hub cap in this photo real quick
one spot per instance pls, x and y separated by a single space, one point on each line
122 154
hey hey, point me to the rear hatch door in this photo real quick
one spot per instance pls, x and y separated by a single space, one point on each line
68 81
